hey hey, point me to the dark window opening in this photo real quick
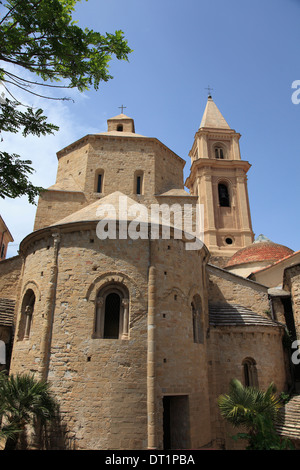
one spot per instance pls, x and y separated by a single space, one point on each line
120 128
26 316
246 375
223 195
138 184
99 183
111 313
250 373
219 153
112 316
229 241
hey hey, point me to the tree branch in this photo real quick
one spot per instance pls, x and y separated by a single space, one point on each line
16 77
36 94
9 11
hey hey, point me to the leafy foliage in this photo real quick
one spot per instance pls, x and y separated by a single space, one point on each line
22 400
41 37
256 411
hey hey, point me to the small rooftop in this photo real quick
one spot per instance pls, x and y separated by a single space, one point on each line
7 307
237 315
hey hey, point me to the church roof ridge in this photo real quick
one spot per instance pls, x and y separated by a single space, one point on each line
120 116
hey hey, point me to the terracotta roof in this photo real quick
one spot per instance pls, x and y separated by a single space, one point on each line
290 255
236 315
263 251
7 307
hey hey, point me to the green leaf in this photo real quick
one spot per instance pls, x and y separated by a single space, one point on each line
41 37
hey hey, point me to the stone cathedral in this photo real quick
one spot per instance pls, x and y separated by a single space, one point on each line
138 336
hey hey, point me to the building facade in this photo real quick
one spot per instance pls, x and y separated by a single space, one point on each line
137 326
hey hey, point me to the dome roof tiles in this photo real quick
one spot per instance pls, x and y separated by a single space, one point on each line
261 250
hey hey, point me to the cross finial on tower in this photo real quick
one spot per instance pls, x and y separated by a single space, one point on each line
122 108
209 90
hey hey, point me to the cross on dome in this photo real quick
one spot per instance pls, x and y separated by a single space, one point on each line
122 108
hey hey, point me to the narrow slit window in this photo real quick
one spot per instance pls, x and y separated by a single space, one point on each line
99 182
138 185
197 319
138 182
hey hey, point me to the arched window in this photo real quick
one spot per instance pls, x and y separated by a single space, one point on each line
250 372
197 319
219 153
26 315
99 181
112 312
223 193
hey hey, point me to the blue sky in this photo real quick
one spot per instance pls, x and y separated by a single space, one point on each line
248 52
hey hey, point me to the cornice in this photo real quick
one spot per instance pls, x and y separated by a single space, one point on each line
215 164
213 132
220 164
122 138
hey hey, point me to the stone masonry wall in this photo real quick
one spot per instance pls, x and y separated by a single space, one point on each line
181 363
54 205
119 158
10 270
101 384
227 288
229 346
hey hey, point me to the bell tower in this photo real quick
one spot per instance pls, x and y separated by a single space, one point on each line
218 177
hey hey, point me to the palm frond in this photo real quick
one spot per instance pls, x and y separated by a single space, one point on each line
23 398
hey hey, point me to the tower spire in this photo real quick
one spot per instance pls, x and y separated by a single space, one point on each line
219 178
212 117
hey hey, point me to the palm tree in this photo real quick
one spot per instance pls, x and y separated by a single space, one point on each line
256 411
24 400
